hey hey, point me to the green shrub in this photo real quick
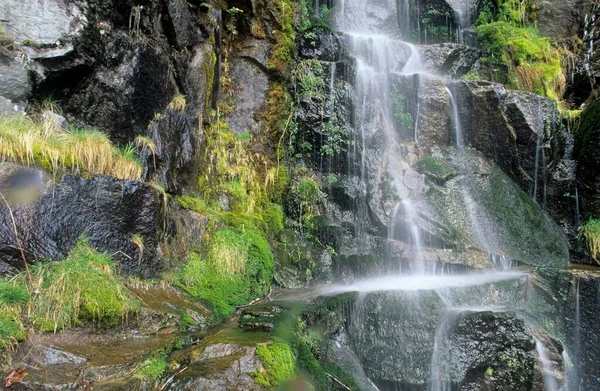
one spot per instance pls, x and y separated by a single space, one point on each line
278 361
81 288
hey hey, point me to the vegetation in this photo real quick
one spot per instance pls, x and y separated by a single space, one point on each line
508 37
278 361
401 113
81 288
238 267
83 151
433 166
308 79
152 368
591 233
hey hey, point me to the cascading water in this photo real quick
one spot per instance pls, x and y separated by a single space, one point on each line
550 383
458 136
381 62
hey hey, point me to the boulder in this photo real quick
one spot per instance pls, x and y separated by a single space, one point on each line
449 59
51 216
51 23
14 77
321 44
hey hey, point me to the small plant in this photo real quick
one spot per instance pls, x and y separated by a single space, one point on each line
138 240
590 231
144 143
308 79
152 368
178 103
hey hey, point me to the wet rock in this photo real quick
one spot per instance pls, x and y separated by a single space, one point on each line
252 87
489 350
52 356
449 59
261 317
320 44
183 21
522 133
54 215
115 98
561 19
587 141
185 232
179 140
51 23
392 333
219 368
200 72
14 77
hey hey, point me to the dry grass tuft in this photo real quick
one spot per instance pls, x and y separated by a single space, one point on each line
85 151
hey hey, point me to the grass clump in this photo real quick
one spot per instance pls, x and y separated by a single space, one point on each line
42 142
11 332
278 361
152 368
590 231
509 38
238 267
81 288
433 166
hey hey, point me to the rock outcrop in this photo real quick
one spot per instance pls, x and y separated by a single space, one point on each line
51 216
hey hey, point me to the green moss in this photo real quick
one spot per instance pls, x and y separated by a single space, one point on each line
79 289
278 361
285 50
401 111
508 37
238 268
433 166
589 121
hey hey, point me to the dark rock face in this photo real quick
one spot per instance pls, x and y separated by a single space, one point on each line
320 44
587 142
51 216
179 141
522 133
486 350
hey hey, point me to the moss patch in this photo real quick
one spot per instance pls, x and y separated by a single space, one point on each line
278 361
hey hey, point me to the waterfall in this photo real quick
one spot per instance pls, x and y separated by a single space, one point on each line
458 136
414 64
550 383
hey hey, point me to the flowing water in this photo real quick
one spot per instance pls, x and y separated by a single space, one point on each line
383 56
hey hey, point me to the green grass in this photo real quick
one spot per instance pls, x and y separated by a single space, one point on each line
11 332
79 289
279 363
12 293
238 267
590 231
85 151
